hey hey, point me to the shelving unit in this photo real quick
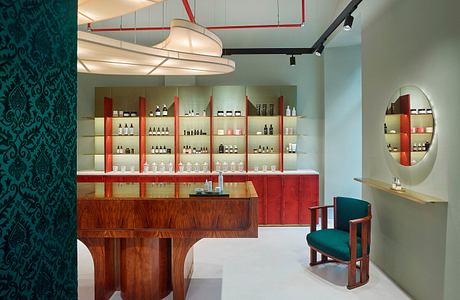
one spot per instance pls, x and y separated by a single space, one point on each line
239 131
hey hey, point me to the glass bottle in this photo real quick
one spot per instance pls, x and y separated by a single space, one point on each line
165 110
157 112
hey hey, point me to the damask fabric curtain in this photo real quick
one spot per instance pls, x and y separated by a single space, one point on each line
38 149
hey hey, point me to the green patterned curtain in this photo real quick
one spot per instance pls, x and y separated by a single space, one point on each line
38 149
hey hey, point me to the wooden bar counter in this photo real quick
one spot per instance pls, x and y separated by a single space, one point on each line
140 233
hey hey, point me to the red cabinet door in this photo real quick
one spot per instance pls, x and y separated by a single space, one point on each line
274 199
309 196
291 199
260 185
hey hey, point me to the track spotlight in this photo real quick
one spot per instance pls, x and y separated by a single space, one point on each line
348 23
292 60
319 51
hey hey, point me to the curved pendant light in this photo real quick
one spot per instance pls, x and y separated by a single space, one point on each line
190 49
90 11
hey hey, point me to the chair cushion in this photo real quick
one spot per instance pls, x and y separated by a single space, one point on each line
333 242
348 209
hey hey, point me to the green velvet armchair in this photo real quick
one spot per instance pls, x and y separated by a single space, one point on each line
348 242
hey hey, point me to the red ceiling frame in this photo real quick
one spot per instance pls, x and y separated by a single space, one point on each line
189 11
192 19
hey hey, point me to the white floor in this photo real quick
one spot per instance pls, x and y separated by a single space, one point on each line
272 267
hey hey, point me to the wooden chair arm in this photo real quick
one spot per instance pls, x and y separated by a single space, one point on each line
319 207
313 215
365 236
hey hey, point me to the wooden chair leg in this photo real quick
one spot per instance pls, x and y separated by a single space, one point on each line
351 274
364 272
313 257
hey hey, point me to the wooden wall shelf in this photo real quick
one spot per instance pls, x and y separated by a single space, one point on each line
406 194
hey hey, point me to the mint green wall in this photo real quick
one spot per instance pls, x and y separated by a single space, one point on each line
38 238
415 42
342 122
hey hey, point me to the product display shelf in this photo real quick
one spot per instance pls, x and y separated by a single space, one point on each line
248 124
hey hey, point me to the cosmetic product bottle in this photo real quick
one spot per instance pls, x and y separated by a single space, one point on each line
260 149
131 129
271 109
162 131
221 181
132 150
157 112
126 130
127 151
167 131
293 112
204 113
120 130
259 113
271 129
151 114
170 167
265 130
150 131
264 109
240 166
288 111
235 149
385 128
165 110
152 151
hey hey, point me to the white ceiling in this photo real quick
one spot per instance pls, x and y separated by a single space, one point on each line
319 15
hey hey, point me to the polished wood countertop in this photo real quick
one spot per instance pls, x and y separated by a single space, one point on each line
156 190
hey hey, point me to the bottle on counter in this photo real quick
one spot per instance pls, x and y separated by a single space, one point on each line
271 129
293 112
151 114
221 181
120 130
265 130
157 112
167 131
221 148
165 110
150 131
126 130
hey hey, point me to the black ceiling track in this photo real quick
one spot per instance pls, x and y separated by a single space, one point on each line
351 7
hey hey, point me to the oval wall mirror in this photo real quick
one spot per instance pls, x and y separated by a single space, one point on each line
409 126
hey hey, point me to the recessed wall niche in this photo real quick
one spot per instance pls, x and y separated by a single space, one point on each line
409 126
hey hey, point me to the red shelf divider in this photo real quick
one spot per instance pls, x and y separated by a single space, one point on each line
176 133
405 127
142 134
107 134
247 133
211 135
281 139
